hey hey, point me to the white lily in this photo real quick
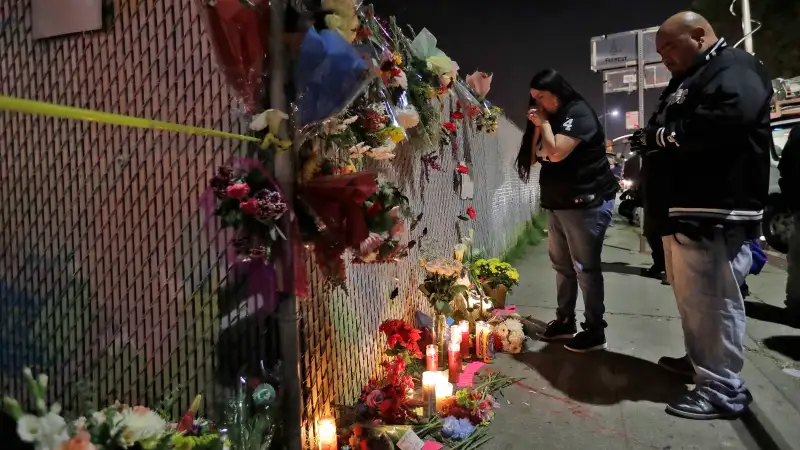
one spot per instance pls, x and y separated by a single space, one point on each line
270 119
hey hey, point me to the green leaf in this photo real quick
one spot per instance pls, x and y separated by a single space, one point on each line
459 289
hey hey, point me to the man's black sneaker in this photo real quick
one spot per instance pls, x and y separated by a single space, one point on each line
588 340
694 406
559 329
681 366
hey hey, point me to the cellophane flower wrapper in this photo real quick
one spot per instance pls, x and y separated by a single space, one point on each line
480 83
252 418
330 74
337 201
467 98
239 35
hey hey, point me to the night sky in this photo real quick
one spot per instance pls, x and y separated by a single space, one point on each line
515 39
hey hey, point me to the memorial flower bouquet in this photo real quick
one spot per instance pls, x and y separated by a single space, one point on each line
115 427
247 203
442 283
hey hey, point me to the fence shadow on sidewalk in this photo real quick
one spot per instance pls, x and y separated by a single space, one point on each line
602 378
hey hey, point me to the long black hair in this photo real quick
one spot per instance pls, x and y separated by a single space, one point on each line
553 82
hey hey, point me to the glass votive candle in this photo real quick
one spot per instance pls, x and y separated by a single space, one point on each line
455 333
431 358
327 434
454 362
429 382
480 328
444 390
464 326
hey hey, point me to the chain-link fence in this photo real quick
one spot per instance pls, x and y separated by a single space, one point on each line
107 273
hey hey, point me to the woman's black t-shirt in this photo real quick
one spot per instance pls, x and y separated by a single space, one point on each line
583 179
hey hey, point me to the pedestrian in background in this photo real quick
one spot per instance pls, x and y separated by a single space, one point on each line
789 168
712 134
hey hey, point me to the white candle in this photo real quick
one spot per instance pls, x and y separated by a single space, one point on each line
429 381
444 390
327 434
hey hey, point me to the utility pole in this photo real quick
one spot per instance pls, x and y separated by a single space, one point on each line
747 26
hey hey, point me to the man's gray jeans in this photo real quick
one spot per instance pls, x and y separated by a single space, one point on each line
575 238
705 276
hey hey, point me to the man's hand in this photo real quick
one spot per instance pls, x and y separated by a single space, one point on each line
642 141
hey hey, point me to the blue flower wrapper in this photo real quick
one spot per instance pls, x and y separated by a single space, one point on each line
329 75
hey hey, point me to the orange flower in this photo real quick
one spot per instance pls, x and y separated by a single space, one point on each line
80 442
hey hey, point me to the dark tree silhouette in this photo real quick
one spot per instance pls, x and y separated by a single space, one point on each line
777 44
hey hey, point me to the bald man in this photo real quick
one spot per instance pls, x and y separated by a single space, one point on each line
711 138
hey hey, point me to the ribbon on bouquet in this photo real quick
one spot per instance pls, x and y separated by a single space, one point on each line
262 277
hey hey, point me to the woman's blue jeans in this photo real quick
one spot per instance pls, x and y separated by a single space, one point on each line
575 242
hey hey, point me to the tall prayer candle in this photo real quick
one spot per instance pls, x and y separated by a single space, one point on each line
480 328
464 325
431 358
327 434
454 362
455 333
429 382
444 390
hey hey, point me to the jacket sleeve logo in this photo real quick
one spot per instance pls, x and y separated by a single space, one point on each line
678 97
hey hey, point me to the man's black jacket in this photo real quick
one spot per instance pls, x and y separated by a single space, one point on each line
713 133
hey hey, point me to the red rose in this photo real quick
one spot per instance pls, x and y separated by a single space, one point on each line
484 75
449 126
374 209
462 169
238 191
471 212
396 72
456 115
250 207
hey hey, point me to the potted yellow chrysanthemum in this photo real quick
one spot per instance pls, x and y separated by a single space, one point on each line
497 277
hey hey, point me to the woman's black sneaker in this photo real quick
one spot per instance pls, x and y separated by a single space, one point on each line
559 329
588 340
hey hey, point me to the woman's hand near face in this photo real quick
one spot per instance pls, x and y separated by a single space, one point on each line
537 117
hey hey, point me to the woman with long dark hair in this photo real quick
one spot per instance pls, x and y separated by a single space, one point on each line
578 189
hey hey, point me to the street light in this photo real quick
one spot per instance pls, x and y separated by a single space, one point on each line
604 117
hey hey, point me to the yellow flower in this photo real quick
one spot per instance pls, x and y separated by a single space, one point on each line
398 59
396 134
513 274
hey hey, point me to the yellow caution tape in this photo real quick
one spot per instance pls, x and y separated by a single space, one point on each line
68 112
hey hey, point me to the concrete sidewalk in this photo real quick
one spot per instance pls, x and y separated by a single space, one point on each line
616 399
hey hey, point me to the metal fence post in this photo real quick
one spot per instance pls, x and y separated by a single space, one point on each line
287 309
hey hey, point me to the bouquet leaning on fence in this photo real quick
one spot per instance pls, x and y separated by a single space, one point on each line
114 427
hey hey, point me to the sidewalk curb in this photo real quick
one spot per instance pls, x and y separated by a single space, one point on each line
763 431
